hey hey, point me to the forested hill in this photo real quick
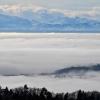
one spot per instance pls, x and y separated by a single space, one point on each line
25 93
79 69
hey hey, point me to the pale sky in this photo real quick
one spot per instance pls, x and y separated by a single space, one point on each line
56 4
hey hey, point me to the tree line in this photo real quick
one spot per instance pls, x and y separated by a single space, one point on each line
25 93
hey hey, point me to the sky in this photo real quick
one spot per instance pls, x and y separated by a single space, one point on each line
56 4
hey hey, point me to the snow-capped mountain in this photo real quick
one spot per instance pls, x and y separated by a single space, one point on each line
44 20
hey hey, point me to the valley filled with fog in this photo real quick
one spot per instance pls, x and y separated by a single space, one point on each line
36 53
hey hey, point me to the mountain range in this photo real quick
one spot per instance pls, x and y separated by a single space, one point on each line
44 20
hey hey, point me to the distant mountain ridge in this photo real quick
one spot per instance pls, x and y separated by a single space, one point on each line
14 23
79 69
45 21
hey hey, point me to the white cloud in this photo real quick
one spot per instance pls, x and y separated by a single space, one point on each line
17 9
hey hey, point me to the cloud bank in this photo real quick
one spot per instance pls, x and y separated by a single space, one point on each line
29 53
18 9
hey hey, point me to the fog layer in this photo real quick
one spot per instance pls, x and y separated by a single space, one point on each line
22 53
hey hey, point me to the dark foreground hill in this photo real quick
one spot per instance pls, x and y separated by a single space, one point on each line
25 93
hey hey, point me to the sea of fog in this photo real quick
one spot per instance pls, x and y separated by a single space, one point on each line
32 53
68 84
